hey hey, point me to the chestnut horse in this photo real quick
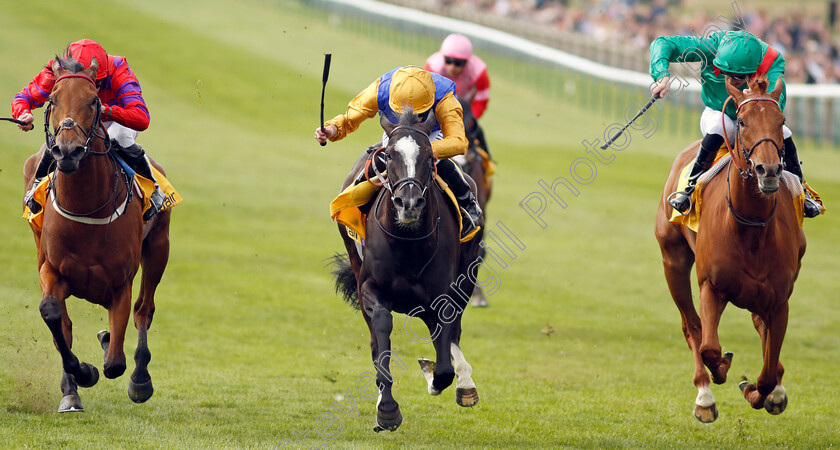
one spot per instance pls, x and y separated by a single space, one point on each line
412 263
93 237
748 251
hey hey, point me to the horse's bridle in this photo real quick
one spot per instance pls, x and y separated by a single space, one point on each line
392 188
780 149
70 124
748 172
97 130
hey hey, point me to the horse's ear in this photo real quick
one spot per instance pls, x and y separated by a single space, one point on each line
736 93
386 124
94 67
777 90
430 122
56 66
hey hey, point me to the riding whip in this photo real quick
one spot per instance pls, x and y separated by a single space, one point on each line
19 122
621 131
327 57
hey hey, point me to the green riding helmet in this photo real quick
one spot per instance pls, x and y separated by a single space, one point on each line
739 52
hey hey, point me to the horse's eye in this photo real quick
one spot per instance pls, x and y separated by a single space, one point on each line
741 123
387 156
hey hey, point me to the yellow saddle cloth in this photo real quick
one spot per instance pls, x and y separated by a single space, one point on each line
344 209
144 185
692 219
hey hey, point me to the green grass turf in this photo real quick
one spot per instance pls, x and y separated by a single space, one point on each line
250 346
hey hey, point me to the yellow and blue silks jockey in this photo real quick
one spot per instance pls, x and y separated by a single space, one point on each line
423 91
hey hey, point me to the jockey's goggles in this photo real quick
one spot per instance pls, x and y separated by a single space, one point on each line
736 76
454 61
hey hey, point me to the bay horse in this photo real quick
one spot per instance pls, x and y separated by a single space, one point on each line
93 237
748 251
472 163
412 263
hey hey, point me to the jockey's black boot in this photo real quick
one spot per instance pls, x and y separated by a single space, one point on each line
41 171
681 200
792 165
471 212
135 156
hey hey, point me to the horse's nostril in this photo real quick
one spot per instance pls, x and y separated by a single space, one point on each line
77 153
55 152
398 202
779 169
760 170
420 202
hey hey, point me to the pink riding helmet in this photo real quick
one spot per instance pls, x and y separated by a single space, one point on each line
456 46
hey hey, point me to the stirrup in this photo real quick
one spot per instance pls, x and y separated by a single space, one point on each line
673 198
29 198
156 200
811 208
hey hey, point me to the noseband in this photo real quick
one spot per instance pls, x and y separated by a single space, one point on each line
70 124
747 153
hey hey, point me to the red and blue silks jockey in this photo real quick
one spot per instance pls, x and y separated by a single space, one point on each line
423 91
727 57
124 112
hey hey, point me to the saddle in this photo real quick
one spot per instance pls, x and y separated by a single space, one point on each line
140 186
692 219
351 206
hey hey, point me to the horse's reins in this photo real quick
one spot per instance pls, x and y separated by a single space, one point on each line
70 124
748 172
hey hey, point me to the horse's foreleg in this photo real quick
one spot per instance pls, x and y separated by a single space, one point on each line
380 321
118 312
768 392
677 259
54 313
466 393
711 308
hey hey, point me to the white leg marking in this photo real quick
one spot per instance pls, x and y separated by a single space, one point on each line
462 369
777 396
704 397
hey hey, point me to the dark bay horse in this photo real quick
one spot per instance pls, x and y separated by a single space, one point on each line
93 238
472 163
412 263
748 251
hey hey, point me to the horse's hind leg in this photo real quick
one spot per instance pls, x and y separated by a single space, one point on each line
154 259
769 392
54 312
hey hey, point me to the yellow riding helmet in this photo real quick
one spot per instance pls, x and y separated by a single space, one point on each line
411 86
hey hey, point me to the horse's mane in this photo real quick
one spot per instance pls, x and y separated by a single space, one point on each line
408 117
68 62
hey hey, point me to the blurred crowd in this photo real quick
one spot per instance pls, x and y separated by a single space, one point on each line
809 42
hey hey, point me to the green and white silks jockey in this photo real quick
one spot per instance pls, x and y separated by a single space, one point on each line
725 57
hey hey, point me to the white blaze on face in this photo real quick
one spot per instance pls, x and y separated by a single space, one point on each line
410 151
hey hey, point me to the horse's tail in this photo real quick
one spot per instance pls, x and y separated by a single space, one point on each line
345 280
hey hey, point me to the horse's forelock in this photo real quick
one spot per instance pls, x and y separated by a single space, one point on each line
408 117
68 62
759 86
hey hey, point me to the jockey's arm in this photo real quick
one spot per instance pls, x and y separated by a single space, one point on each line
130 110
667 49
361 108
450 117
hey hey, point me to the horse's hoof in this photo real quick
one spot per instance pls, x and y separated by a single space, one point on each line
71 403
480 301
91 378
776 407
140 392
426 365
728 356
104 338
466 397
706 414
743 385
388 422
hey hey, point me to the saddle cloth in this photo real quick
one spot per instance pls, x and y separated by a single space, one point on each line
692 219
344 209
142 186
